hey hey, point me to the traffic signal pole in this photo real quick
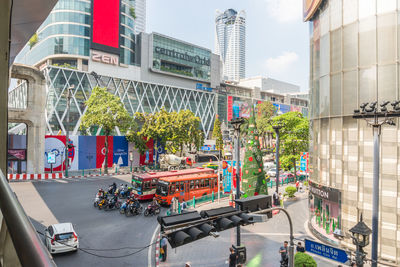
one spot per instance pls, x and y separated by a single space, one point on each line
237 144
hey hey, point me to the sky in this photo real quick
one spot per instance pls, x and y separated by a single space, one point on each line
277 43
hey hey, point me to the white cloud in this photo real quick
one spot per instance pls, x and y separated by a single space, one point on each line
285 10
280 64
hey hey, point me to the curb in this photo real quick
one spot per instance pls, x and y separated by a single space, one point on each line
157 251
52 176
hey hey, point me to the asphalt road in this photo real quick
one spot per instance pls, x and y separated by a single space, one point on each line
71 200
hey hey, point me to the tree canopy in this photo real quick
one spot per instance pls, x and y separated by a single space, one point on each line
294 136
217 134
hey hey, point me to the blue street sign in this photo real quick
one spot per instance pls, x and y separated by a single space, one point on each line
326 251
205 148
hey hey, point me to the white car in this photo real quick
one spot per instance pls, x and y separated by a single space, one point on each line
272 172
61 238
269 165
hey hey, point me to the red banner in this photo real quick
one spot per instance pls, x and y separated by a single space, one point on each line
230 107
101 151
148 154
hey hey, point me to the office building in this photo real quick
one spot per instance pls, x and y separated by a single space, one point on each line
270 85
230 43
354 58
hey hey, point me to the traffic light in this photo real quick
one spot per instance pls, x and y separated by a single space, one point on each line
255 203
181 229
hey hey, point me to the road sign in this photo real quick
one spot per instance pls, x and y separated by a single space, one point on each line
51 158
326 251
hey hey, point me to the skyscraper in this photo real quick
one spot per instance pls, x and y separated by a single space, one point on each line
140 10
230 43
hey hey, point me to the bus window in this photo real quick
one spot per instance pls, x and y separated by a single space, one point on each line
153 183
207 183
201 183
146 185
182 186
172 188
197 184
191 184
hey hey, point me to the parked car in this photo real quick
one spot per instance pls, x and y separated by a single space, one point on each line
269 165
286 175
271 172
61 237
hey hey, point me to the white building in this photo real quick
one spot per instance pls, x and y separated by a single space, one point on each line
230 43
140 10
270 85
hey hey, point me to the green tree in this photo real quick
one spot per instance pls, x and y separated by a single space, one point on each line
302 259
33 40
105 110
265 112
253 181
294 136
217 134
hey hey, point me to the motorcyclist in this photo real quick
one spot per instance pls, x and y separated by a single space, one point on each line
154 204
100 193
114 187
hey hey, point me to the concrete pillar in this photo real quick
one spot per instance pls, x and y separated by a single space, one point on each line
33 116
5 14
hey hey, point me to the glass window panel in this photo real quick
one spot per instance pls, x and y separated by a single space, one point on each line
387 38
324 95
366 8
387 83
367 41
368 85
324 55
349 11
336 14
385 6
324 19
350 39
350 88
336 50
336 94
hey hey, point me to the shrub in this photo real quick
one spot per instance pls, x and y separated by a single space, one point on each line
302 259
290 190
305 183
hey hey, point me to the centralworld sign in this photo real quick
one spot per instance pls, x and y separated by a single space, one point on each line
183 56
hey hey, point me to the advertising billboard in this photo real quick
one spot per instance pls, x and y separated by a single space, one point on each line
105 25
309 8
120 147
87 152
101 151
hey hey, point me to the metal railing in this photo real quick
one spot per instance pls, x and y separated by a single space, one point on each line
17 97
19 243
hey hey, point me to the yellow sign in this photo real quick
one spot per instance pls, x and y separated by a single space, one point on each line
309 8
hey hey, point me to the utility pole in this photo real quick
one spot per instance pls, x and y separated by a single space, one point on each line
277 127
69 95
236 123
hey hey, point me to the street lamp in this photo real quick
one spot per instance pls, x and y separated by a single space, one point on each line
236 123
277 126
360 235
376 115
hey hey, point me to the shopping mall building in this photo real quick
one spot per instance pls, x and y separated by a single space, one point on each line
354 59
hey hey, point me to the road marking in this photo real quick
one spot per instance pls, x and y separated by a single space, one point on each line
151 247
273 234
33 204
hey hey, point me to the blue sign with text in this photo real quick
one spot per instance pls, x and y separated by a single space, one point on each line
326 251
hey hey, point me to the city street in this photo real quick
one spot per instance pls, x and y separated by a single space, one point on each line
262 241
71 200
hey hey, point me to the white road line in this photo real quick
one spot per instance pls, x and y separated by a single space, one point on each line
149 253
272 234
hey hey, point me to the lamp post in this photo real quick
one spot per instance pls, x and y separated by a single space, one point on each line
360 235
277 127
236 123
67 130
376 115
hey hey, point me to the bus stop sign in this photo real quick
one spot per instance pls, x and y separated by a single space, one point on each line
326 251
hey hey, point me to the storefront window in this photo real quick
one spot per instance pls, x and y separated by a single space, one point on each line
324 205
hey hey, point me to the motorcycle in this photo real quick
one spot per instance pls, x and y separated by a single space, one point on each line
102 203
112 203
133 209
151 210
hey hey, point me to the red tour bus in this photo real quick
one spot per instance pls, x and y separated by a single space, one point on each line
144 184
185 188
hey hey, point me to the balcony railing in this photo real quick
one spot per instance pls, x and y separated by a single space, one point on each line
19 243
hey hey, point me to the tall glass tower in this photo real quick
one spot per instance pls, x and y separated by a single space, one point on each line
230 43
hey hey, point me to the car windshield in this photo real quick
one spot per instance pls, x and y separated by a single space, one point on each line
272 170
162 188
64 236
136 184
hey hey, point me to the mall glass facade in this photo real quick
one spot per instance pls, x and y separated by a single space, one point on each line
181 58
66 31
355 50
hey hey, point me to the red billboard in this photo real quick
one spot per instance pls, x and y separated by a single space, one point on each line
105 25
